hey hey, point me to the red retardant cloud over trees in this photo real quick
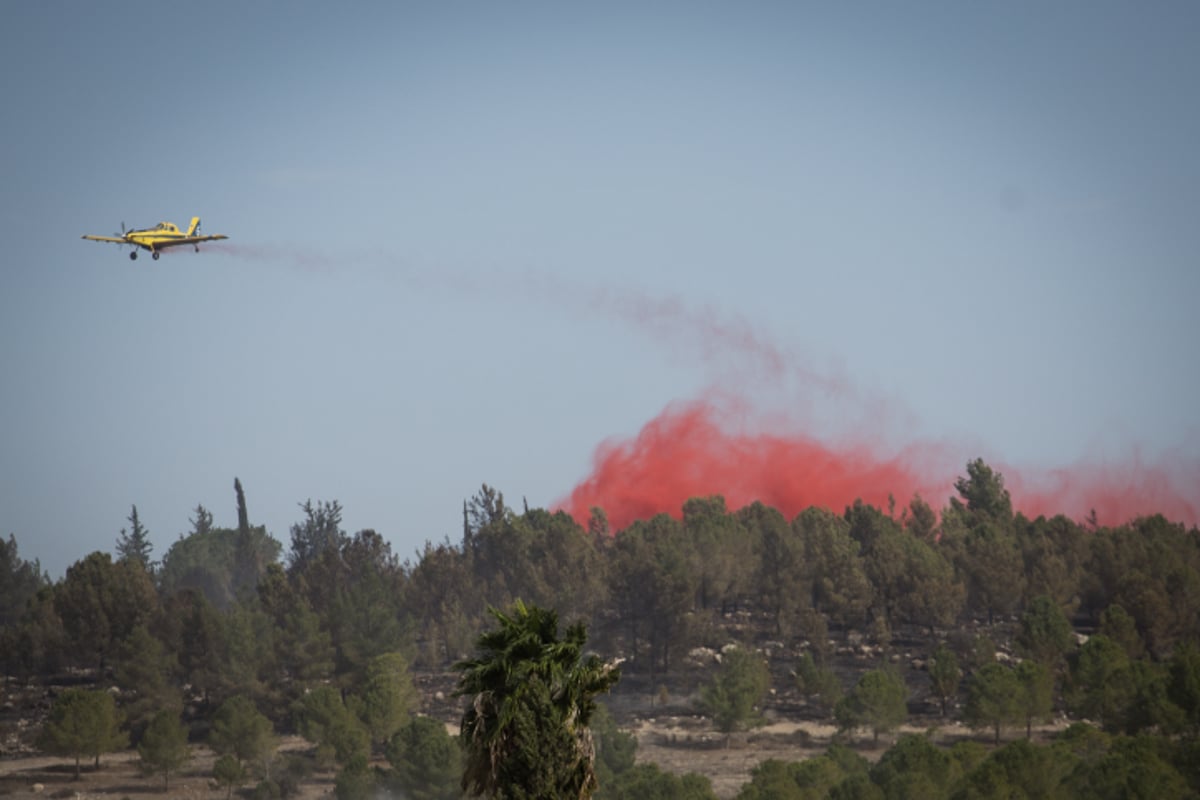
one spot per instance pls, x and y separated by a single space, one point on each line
1117 493
686 452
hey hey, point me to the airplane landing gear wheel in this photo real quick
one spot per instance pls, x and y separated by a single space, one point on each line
133 256
154 255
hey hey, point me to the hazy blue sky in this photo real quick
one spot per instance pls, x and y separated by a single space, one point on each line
472 241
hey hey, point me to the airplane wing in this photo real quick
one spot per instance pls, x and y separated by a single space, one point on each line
112 239
189 240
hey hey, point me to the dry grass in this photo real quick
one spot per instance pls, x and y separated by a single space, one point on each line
678 744
119 777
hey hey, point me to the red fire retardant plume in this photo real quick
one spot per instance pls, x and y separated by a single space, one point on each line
684 453
1116 492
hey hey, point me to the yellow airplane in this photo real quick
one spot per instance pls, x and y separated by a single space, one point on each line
160 237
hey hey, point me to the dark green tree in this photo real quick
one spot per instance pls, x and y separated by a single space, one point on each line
832 568
1100 682
653 589
250 562
983 493
38 644
164 747
325 720
1183 687
779 566
426 761
732 699
993 696
357 589
811 779
1054 551
1045 634
616 750
992 567
1018 770
147 673
944 675
913 767
571 573
83 722
1036 699
20 581
927 592
1118 625
856 787
134 544
882 546
202 523
213 561
242 514
721 552
193 631
238 729
879 701
921 520
531 696
387 697
247 655
485 508
1151 568
819 684
228 771
100 603
1134 767
321 531
303 648
650 782
355 781
1150 708
443 613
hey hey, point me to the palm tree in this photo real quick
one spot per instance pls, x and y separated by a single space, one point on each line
525 732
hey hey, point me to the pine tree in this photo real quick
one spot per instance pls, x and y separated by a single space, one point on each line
733 696
944 675
229 772
134 545
388 696
83 722
164 747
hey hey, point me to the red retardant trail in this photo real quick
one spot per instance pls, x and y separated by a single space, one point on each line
695 449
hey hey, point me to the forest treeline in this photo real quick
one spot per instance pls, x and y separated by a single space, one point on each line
229 612
235 609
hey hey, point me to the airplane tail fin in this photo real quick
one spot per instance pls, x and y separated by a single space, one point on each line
194 226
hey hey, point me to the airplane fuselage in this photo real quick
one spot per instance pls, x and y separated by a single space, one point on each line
164 234
160 237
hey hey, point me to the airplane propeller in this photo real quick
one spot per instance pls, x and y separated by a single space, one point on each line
122 235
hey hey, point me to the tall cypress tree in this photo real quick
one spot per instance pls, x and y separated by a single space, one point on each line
243 517
248 566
